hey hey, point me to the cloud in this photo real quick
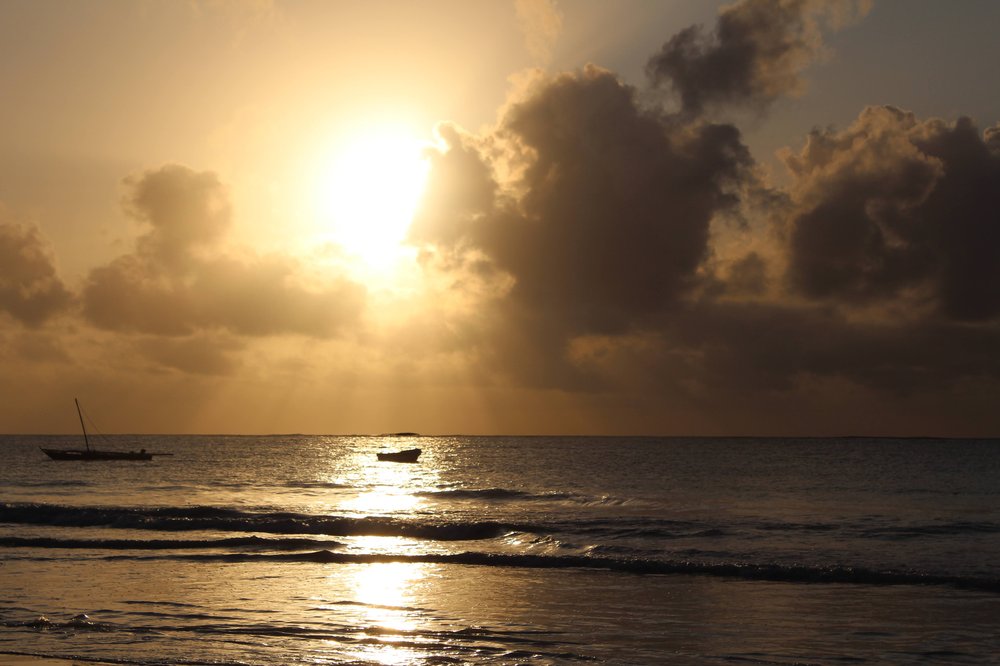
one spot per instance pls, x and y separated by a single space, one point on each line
186 210
38 347
754 55
30 288
783 368
601 223
894 208
592 234
460 191
599 247
199 354
541 24
778 346
179 280
606 220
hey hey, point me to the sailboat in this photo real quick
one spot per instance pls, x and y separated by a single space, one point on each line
89 453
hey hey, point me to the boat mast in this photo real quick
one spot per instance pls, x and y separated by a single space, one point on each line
80 414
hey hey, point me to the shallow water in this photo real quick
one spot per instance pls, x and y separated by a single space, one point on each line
287 550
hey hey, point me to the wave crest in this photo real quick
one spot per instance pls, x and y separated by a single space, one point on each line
175 519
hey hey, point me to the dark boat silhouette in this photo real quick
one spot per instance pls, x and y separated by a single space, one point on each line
407 455
94 454
89 453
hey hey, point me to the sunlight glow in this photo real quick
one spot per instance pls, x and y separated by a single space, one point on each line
386 591
383 590
367 193
386 488
382 501
389 490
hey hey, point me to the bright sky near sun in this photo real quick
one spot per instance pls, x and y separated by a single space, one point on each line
364 194
527 216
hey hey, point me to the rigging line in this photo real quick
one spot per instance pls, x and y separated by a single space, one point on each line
96 431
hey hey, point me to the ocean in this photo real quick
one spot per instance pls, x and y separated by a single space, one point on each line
301 549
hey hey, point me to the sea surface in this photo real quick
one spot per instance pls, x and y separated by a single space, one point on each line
296 549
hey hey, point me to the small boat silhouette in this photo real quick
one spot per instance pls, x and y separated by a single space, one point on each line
89 453
407 455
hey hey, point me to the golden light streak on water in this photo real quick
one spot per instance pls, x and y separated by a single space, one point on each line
386 488
386 592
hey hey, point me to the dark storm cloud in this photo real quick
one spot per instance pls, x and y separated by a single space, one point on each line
770 346
894 207
726 351
591 230
179 281
615 219
747 276
754 55
608 220
30 288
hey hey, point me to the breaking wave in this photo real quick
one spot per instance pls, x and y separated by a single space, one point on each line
500 495
250 542
737 570
176 519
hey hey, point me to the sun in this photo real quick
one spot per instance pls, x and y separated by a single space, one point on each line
368 191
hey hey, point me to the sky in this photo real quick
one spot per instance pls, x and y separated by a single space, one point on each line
680 217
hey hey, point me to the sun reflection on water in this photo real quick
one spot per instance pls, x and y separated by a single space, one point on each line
383 501
385 592
385 488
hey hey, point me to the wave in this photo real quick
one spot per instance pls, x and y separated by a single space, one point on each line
255 542
738 570
174 519
223 519
525 644
496 494
934 529
652 533
306 485
855 529
511 495
643 528
117 660
53 483
81 622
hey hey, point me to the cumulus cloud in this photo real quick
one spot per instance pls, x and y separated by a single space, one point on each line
178 281
607 219
186 209
30 288
894 207
588 212
461 190
590 230
754 55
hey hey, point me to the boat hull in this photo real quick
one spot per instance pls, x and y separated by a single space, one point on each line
409 455
93 454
